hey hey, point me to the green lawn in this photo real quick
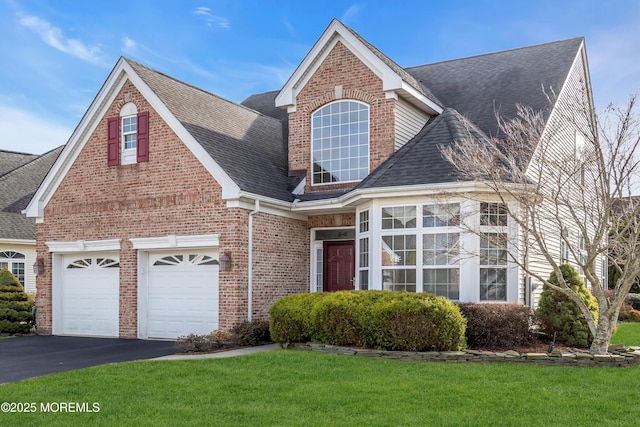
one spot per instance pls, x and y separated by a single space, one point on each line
627 334
287 387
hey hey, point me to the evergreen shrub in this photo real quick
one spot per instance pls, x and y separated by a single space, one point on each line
15 309
558 314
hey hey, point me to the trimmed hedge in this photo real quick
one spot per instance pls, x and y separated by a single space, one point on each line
378 319
497 326
290 319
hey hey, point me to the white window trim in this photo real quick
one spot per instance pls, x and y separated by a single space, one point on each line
469 243
313 184
127 155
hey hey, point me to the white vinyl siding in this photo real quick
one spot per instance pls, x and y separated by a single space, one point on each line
409 121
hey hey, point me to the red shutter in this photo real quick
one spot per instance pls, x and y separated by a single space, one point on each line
143 137
113 141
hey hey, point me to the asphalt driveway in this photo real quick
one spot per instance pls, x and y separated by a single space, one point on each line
33 356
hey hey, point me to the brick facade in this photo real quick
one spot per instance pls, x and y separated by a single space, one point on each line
172 193
341 68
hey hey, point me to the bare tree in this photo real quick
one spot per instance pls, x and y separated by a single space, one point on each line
567 180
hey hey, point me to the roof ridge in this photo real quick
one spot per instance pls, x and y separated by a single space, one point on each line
30 162
17 152
496 53
129 60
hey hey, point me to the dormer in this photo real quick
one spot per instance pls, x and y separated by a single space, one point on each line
350 107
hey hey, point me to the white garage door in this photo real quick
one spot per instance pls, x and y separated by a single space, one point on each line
89 295
182 293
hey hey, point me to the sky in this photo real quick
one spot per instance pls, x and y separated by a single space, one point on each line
56 54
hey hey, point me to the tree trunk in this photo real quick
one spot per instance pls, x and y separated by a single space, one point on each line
600 344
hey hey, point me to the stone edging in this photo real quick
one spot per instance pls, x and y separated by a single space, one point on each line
618 357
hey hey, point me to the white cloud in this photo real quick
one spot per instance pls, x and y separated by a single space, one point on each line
210 19
25 132
53 37
351 12
129 46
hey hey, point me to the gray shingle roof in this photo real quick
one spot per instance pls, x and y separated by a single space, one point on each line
249 141
247 145
481 85
16 189
404 75
420 161
9 160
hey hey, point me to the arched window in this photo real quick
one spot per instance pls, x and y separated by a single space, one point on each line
14 261
340 142
129 132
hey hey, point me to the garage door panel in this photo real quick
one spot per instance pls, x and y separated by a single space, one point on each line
90 295
182 294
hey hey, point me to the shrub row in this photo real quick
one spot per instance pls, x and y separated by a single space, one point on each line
374 319
247 333
497 326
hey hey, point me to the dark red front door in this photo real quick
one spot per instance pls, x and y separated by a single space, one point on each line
339 265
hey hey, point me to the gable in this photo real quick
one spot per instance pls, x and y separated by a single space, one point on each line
172 168
395 81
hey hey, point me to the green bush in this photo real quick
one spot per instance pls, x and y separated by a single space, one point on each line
379 319
560 315
497 326
251 332
15 309
289 318
335 318
417 322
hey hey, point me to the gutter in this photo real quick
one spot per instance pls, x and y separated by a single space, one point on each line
250 263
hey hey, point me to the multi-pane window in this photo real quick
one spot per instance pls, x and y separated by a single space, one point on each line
398 217
399 251
493 267
340 142
441 275
363 250
493 214
14 262
363 263
364 221
129 132
447 215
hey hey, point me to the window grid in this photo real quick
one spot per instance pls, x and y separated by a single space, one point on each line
401 217
9 259
399 279
447 215
129 131
493 271
319 272
364 221
399 250
442 282
340 142
493 214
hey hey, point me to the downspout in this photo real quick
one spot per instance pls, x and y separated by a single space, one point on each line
255 210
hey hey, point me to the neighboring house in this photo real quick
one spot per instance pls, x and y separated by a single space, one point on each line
20 176
172 210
